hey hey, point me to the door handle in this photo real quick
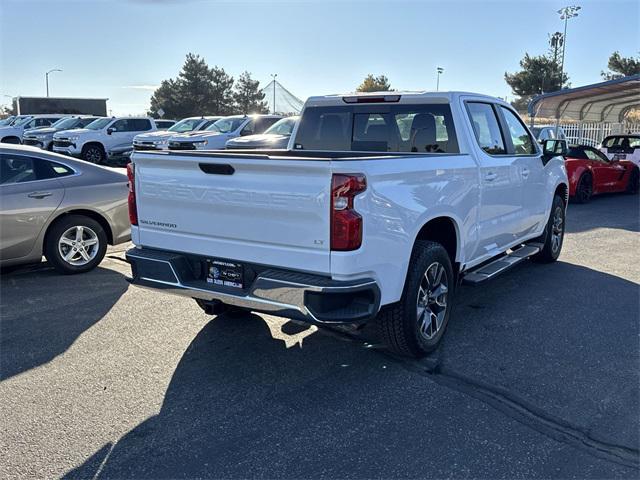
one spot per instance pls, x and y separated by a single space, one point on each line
525 173
39 194
490 177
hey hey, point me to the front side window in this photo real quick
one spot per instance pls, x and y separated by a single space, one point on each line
249 128
385 128
520 138
131 125
486 128
263 123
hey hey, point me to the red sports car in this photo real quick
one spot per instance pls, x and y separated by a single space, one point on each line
590 172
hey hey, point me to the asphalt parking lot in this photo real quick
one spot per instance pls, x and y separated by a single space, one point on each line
538 377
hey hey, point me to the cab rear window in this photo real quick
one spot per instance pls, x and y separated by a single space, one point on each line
378 128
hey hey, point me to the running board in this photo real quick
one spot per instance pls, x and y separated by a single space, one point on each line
501 264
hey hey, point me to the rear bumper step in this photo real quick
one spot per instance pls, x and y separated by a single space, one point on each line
300 296
501 264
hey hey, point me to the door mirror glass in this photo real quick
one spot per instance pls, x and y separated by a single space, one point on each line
554 148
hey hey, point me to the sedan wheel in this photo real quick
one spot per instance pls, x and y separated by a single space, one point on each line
78 245
75 244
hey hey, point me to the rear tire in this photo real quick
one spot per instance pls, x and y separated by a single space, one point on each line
415 325
584 191
78 232
633 186
553 236
93 153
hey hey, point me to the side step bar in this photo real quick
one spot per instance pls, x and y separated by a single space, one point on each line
501 264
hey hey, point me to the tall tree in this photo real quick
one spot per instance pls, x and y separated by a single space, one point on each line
248 97
620 66
221 100
166 98
375 84
198 90
538 75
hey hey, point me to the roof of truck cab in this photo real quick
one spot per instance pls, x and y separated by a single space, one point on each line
405 97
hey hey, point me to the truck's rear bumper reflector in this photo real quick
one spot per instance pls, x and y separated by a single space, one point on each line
284 293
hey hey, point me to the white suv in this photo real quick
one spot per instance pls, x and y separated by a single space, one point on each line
102 139
13 133
160 139
215 137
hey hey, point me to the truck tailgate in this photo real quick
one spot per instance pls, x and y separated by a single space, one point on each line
267 211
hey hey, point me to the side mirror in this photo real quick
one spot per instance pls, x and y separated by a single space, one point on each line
110 130
554 148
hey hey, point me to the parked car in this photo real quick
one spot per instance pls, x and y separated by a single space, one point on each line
13 132
622 147
103 139
164 124
275 137
43 137
65 209
590 172
159 140
384 203
548 132
220 132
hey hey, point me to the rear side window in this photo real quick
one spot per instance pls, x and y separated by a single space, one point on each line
21 169
520 138
486 128
385 128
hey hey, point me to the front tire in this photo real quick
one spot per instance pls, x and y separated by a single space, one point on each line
416 324
553 236
75 244
584 191
94 154
634 182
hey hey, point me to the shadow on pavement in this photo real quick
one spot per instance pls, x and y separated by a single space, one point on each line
245 403
614 210
44 312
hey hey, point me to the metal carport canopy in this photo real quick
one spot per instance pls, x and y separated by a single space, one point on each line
601 102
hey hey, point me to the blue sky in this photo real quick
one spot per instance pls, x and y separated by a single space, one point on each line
120 49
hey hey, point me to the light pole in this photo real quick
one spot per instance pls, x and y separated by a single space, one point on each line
274 75
46 76
565 14
439 70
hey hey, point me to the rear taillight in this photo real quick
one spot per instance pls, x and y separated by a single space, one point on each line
346 223
133 209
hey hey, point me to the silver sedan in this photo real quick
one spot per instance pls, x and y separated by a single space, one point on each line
65 209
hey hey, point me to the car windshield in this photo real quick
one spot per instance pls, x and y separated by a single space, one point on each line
99 124
186 125
618 141
226 125
7 121
21 121
65 123
282 127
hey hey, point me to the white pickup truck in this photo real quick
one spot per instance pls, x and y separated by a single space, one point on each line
380 207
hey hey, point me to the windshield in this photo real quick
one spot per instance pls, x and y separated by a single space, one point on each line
226 125
186 125
7 121
21 120
65 123
282 127
99 124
